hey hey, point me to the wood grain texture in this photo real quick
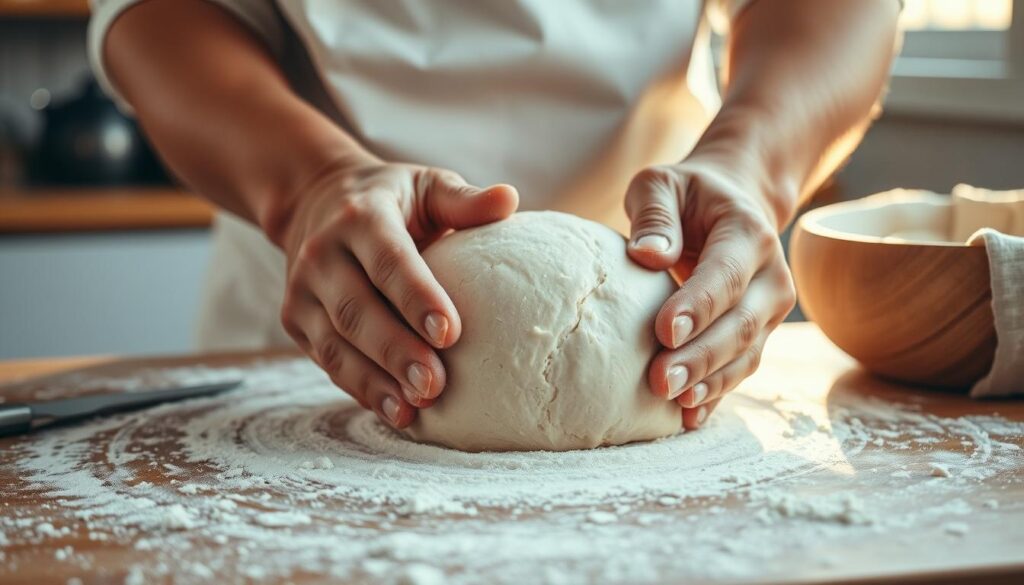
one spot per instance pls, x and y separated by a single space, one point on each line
72 210
914 313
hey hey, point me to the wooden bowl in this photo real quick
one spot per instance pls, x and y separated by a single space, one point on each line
914 311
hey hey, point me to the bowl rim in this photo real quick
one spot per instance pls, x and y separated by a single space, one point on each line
810 221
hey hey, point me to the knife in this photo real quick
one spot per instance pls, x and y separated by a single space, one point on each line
19 418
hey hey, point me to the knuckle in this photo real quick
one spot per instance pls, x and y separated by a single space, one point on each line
733 277
788 291
287 316
704 305
753 222
330 356
652 175
764 236
647 178
654 215
352 211
753 359
749 326
408 300
293 331
385 263
311 251
347 316
445 176
288 304
715 384
388 352
788 302
704 358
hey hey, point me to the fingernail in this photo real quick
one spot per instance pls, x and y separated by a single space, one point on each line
390 407
437 327
652 243
682 327
419 377
700 392
702 415
677 376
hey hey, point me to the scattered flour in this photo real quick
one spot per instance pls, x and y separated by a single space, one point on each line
956 528
419 574
600 517
176 517
287 476
842 508
281 519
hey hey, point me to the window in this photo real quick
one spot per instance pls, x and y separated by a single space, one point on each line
961 58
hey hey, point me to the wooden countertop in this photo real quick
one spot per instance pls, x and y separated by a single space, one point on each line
798 361
103 209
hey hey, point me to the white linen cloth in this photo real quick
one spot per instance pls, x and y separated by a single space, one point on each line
566 100
996 221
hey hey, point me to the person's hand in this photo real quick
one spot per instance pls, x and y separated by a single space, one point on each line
717 229
359 299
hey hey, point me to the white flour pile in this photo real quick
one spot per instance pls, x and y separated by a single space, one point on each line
286 477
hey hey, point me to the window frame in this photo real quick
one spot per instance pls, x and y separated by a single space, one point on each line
983 79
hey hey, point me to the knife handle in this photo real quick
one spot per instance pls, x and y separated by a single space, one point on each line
15 419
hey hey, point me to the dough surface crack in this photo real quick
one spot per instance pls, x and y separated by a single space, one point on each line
549 361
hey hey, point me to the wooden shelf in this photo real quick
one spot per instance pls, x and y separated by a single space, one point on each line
106 209
44 8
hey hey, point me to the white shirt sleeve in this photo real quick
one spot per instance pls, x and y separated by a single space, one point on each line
261 16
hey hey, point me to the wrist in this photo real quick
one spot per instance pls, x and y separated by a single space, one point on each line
748 148
279 208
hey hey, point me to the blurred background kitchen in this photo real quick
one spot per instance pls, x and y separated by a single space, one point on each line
101 253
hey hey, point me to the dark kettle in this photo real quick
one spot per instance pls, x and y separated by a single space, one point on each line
85 140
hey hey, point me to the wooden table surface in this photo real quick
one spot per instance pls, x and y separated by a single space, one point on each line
797 356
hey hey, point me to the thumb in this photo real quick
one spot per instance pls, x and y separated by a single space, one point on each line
652 204
452 203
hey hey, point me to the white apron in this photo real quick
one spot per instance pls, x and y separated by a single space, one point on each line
566 100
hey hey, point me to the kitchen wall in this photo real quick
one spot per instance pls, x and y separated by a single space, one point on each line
935 154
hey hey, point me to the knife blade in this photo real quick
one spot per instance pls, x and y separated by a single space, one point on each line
19 418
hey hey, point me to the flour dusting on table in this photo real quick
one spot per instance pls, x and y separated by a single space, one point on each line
286 476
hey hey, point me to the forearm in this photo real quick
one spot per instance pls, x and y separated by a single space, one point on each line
803 78
218 108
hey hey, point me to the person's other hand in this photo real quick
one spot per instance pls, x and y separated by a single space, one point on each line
717 230
359 299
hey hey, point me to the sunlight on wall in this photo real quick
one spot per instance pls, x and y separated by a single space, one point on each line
956 14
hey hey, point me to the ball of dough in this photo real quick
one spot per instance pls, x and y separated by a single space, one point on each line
557 336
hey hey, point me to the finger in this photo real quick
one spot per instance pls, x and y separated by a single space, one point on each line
713 387
348 368
652 204
733 253
363 319
675 370
388 255
449 202
694 418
